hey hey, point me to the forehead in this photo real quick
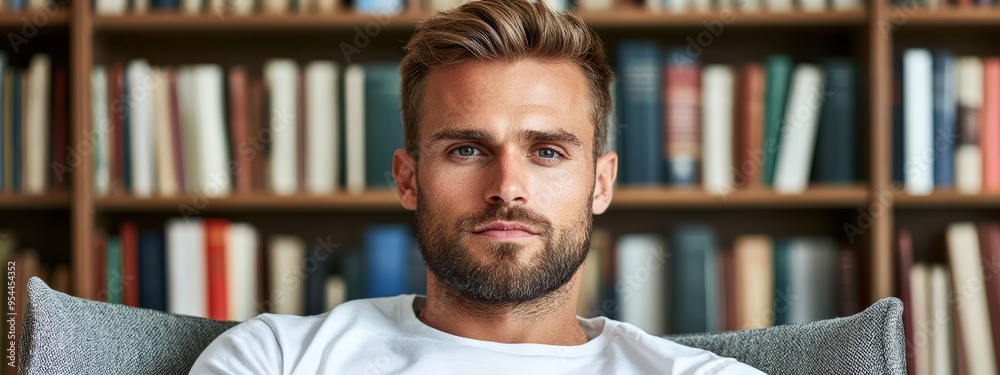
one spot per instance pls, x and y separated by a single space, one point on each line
506 97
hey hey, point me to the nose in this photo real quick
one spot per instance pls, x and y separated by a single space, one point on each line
507 175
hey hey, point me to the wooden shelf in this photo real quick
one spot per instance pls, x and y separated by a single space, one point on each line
368 201
817 197
966 16
634 18
619 19
949 199
55 200
15 20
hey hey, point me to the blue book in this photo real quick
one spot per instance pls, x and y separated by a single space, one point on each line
152 271
352 269
898 139
15 120
782 281
642 135
15 5
165 4
694 280
386 250
778 77
113 269
378 6
945 103
383 124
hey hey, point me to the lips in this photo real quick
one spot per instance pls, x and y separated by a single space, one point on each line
505 229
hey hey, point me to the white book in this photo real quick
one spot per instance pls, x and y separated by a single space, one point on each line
167 184
280 76
813 279
190 6
749 6
336 291
354 105
441 5
110 7
595 5
942 355
287 279
187 104
275 6
101 130
140 6
779 6
322 126
921 309
557 5
842 5
968 156
717 128
654 6
918 116
812 5
701 6
239 7
973 318
678 6
187 283
36 125
933 4
753 261
327 6
641 274
798 132
141 127
215 175
241 271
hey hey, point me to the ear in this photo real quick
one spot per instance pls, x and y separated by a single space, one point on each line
605 174
404 171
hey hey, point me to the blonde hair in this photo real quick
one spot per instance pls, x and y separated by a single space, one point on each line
508 31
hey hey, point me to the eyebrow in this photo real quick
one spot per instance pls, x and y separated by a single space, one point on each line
523 136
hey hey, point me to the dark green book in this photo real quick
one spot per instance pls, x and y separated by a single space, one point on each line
113 252
778 72
782 281
694 286
836 161
383 124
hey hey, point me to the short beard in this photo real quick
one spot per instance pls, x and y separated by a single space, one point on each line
502 280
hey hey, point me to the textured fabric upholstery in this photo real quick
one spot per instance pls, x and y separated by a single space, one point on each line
70 335
870 342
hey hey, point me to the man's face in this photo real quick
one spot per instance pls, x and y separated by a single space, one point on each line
505 179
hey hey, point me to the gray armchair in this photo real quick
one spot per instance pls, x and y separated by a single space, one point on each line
69 335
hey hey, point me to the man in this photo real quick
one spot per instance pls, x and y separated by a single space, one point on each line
505 108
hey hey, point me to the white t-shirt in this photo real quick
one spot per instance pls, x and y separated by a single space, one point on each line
384 336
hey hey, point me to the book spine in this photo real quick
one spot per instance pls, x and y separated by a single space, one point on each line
945 104
642 140
681 117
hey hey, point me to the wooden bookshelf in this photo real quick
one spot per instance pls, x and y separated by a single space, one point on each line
860 34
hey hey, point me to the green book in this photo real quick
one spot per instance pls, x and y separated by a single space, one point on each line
836 160
778 73
113 268
782 281
383 124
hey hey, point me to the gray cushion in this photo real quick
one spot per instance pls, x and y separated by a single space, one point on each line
70 335
870 342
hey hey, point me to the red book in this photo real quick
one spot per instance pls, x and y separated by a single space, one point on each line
904 261
750 129
215 264
989 245
175 128
115 112
682 122
100 274
129 237
989 136
59 128
848 298
239 128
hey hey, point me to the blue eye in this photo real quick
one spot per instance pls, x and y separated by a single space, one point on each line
465 151
548 153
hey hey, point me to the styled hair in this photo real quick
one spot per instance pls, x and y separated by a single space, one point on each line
507 31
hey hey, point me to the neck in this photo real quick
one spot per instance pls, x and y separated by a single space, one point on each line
550 319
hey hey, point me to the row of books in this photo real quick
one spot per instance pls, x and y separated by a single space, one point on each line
23 5
240 7
689 282
33 127
201 129
774 124
943 4
24 262
946 122
224 270
951 310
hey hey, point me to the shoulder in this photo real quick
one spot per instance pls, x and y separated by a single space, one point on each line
653 352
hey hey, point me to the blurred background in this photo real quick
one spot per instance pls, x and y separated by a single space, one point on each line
781 161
